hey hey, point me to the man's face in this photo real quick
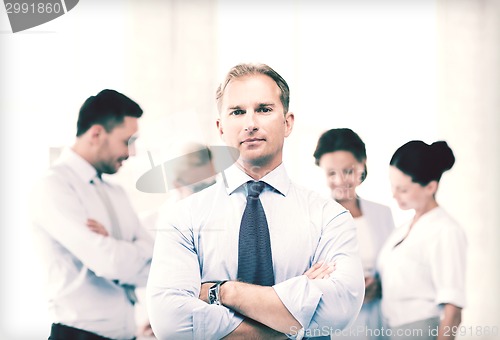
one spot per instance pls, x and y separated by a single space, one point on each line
252 120
116 146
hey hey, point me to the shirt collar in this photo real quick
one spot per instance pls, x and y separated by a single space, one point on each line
278 179
80 166
430 215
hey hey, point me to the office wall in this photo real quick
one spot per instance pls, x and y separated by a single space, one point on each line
469 118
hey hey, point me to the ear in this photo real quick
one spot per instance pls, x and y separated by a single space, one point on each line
432 187
96 133
289 120
219 127
363 172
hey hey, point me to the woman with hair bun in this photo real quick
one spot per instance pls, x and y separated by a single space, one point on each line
422 264
342 155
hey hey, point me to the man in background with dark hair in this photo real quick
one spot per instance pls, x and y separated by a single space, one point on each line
89 238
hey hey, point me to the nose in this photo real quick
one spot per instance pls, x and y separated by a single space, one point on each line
337 179
131 150
250 123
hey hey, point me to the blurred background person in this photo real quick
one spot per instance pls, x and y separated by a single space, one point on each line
342 155
192 171
90 241
422 265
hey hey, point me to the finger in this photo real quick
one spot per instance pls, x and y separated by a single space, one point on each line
314 267
320 272
99 231
315 272
94 225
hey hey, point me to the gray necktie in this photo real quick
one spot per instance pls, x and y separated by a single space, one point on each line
255 261
115 227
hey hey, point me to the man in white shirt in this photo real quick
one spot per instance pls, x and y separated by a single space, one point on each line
90 240
198 287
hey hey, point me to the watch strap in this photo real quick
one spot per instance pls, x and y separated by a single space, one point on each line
214 293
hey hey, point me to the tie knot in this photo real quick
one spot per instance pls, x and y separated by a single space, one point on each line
255 188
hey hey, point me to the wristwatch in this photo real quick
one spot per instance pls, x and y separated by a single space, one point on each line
213 293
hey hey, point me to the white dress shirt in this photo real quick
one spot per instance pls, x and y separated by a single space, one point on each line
198 242
425 271
85 270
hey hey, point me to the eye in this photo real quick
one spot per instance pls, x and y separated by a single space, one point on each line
236 112
130 141
348 171
331 173
264 109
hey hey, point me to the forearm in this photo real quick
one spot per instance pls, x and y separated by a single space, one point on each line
252 330
451 320
145 245
258 303
175 314
57 209
330 303
173 291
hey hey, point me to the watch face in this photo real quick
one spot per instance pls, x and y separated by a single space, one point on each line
212 295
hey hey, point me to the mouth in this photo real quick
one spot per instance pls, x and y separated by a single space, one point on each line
253 140
343 188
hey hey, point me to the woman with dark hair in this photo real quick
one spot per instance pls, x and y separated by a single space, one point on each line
342 154
422 264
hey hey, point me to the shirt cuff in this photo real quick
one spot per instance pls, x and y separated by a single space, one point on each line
452 296
300 297
214 322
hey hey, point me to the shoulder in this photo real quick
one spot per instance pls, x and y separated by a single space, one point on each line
441 219
370 206
446 227
54 177
377 211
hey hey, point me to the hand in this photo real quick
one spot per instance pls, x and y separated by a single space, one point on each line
373 289
250 329
146 330
96 227
320 270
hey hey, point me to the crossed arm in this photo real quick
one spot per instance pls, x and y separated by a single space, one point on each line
266 315
57 210
299 302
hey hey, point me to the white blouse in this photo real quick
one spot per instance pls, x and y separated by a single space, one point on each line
425 271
